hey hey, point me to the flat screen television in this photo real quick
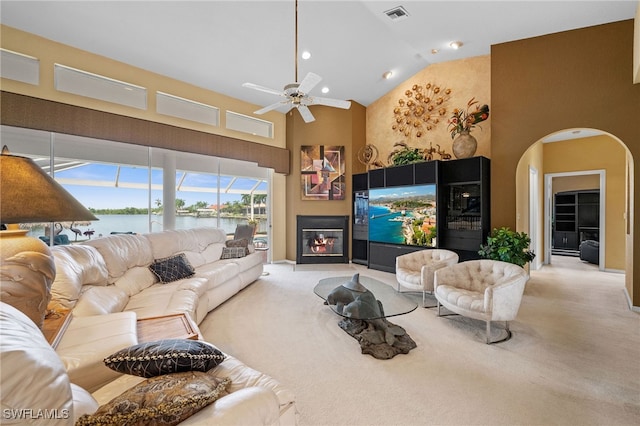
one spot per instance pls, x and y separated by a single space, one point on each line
403 215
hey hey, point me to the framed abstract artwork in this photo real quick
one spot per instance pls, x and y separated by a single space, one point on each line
322 172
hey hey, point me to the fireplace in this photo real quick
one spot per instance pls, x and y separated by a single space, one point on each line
322 239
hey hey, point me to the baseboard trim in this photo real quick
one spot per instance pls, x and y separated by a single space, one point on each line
630 303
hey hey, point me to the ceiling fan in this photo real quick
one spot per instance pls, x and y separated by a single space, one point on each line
297 94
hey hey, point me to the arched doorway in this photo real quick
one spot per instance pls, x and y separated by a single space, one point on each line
577 152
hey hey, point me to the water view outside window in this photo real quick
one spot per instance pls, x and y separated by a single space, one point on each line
123 186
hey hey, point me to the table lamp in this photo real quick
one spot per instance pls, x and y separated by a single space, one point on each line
27 269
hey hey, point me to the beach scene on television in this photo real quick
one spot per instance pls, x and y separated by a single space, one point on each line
403 215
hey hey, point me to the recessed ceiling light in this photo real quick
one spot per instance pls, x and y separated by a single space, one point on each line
434 51
306 55
456 44
325 90
387 75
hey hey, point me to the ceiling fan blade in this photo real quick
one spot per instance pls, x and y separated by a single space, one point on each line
306 113
330 102
309 83
272 107
263 89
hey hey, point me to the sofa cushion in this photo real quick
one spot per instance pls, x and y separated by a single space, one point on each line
83 402
76 265
198 285
212 253
219 272
172 268
122 252
165 356
208 236
195 258
163 400
247 262
165 299
135 280
32 376
191 241
243 376
99 300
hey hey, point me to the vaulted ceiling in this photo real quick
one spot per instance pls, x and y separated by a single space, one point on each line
219 45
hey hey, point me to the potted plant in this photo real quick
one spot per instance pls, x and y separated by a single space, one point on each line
460 125
508 246
254 222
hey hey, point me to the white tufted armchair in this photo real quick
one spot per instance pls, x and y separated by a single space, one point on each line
484 289
415 270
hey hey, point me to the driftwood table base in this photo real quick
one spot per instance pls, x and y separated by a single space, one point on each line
382 341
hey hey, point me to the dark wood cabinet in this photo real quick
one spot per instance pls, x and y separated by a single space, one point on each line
464 206
360 219
563 240
576 218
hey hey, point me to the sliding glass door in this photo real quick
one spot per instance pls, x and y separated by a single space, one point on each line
136 189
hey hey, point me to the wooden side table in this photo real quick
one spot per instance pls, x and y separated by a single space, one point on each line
55 324
174 326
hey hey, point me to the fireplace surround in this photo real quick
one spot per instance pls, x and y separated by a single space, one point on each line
322 239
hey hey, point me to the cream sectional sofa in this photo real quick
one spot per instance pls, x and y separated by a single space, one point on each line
36 388
108 285
111 274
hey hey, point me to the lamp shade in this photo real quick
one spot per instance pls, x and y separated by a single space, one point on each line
28 194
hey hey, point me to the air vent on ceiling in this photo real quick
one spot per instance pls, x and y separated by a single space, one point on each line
186 108
19 67
397 13
96 86
246 124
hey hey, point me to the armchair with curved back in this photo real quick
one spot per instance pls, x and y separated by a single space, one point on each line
415 270
484 289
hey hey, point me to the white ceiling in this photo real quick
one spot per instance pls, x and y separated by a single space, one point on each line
218 45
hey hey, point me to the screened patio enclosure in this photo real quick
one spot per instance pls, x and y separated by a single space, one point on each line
139 189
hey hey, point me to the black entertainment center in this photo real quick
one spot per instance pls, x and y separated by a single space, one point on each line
576 219
434 204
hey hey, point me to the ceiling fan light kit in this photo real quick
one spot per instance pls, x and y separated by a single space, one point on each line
297 94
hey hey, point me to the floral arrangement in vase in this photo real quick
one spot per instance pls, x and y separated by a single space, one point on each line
464 120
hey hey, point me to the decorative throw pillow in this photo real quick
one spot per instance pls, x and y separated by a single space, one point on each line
242 242
162 400
233 252
165 356
172 268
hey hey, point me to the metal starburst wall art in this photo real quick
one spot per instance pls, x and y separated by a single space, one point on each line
421 110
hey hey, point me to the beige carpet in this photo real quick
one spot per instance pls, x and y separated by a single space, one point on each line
574 358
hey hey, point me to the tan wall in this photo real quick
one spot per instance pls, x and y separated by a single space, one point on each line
597 153
333 126
50 52
636 47
573 79
467 78
575 183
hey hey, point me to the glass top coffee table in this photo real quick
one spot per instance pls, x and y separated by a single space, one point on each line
364 305
393 303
